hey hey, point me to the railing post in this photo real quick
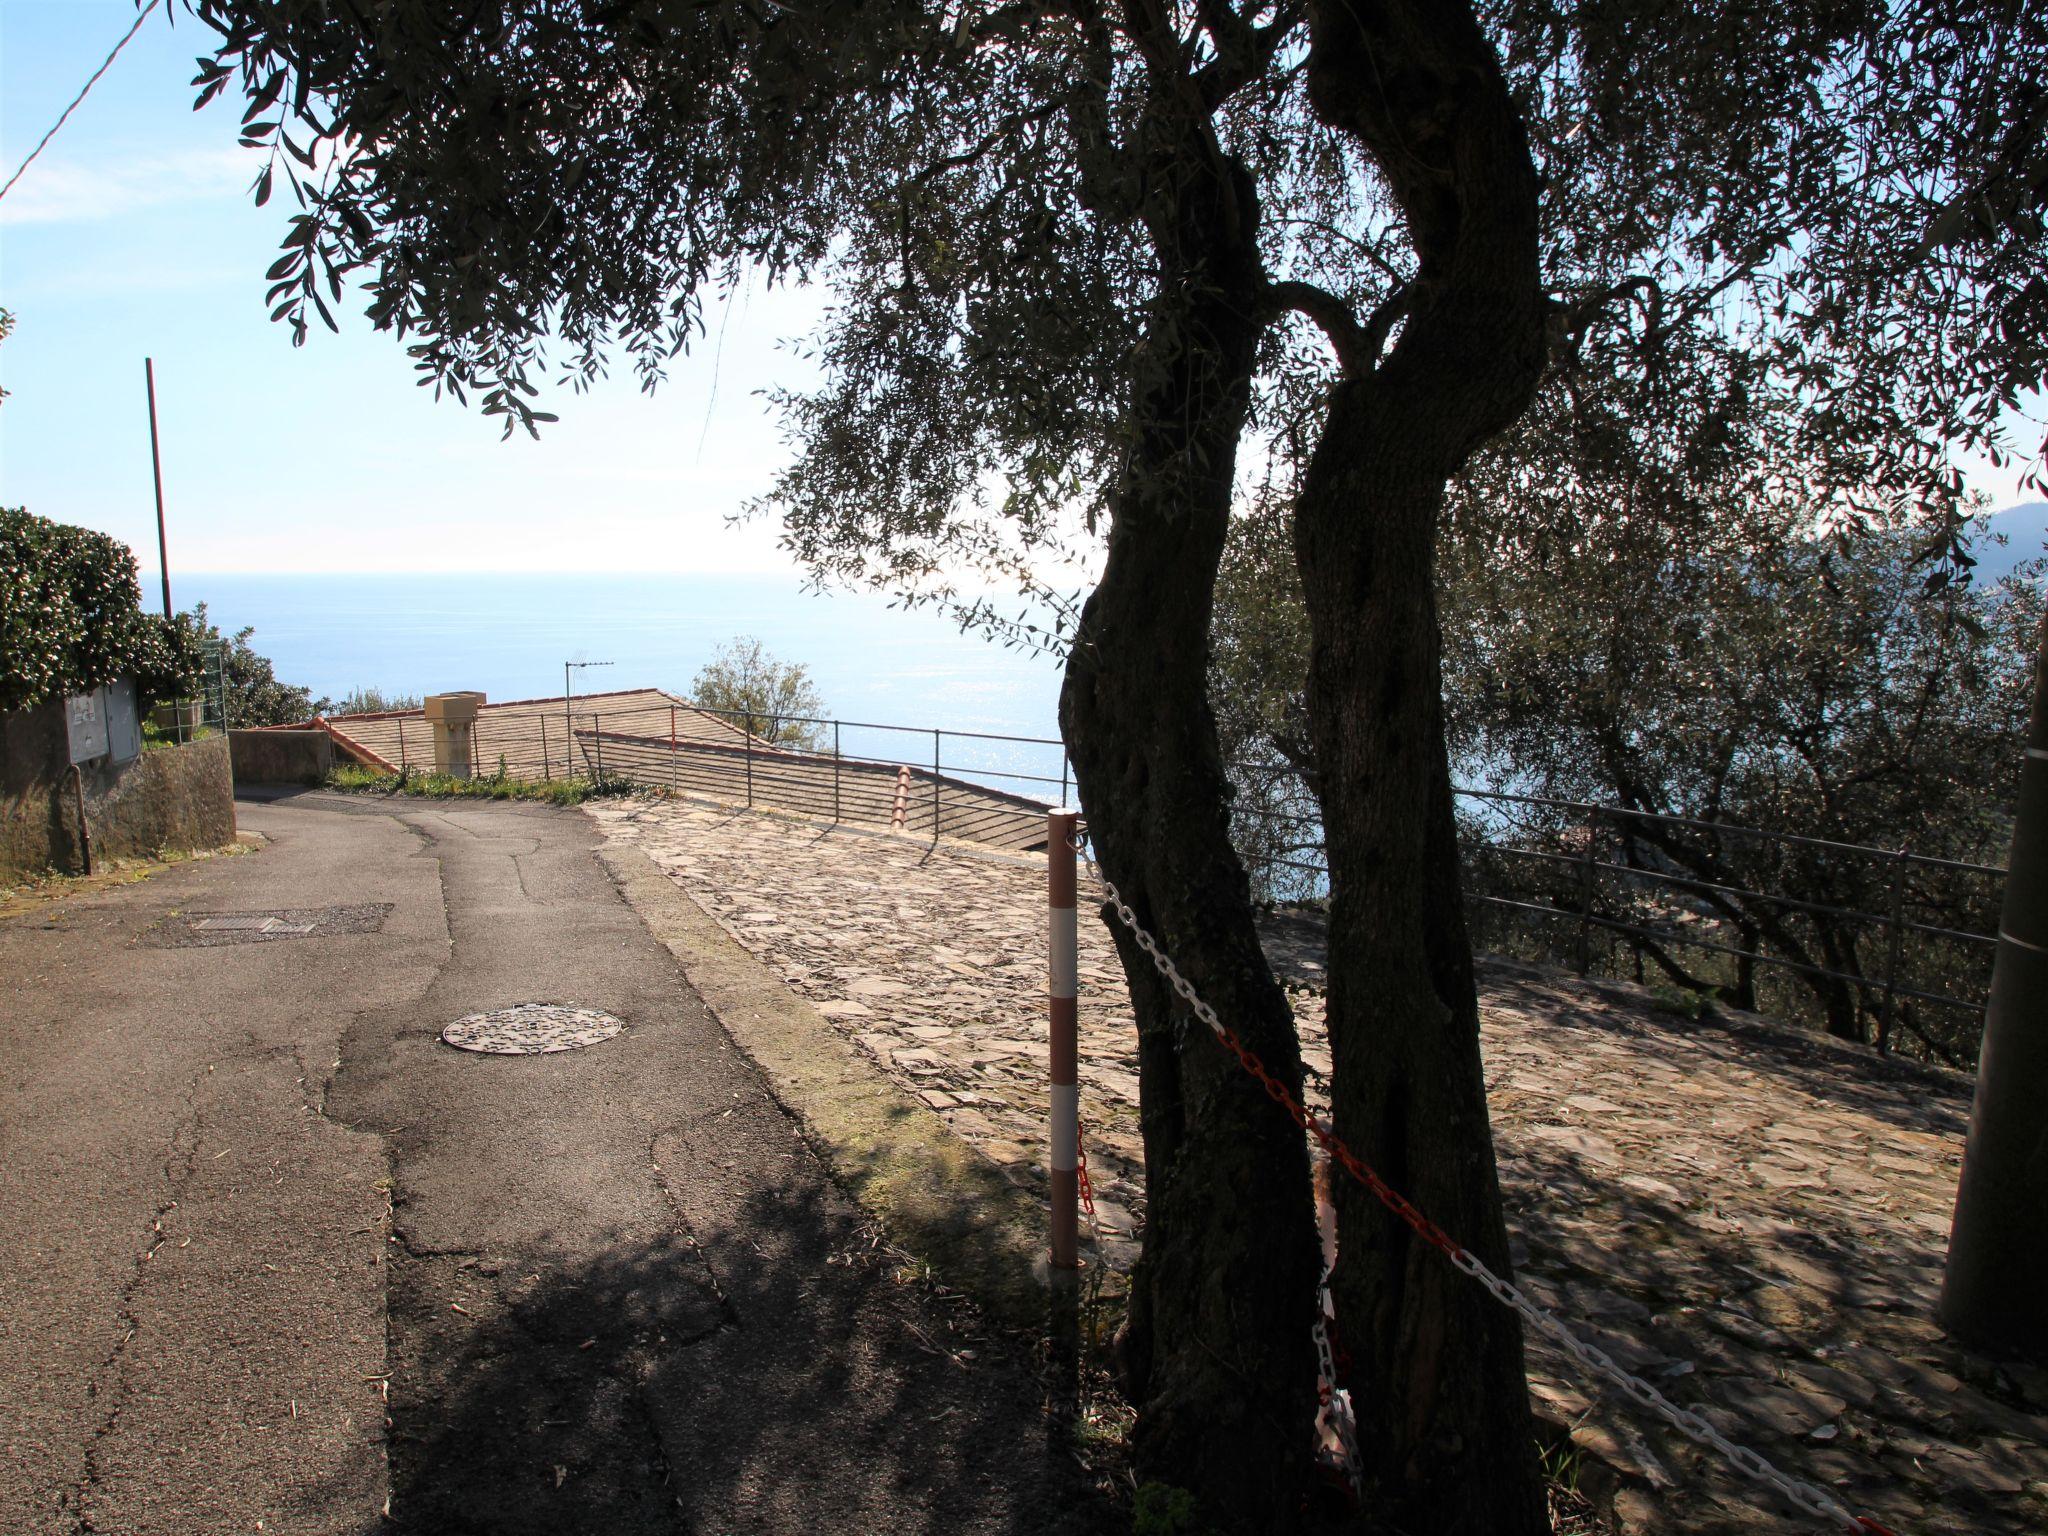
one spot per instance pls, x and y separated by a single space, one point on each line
597 745
1585 954
935 789
401 744
1063 775
1063 975
1894 940
750 761
671 751
835 773
546 764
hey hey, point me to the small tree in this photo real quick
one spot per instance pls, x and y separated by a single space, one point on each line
770 699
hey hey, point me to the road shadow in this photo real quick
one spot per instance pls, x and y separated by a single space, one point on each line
785 1372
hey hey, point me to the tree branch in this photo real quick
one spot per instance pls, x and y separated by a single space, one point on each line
1357 346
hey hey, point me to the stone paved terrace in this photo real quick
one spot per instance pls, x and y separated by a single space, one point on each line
1752 1218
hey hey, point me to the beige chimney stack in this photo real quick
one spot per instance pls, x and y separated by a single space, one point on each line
453 715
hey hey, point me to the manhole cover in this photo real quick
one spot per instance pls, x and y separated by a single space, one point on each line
198 930
531 1029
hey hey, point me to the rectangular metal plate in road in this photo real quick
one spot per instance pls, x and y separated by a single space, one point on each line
197 930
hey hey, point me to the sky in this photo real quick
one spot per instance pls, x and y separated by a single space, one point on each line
134 236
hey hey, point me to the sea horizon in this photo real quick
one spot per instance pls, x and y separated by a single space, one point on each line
507 635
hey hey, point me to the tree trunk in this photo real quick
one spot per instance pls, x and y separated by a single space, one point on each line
1998 1249
1438 1373
1217 1348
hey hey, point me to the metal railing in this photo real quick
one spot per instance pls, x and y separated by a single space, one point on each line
203 712
963 783
1606 869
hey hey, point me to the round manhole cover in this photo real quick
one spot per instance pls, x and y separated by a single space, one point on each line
531 1029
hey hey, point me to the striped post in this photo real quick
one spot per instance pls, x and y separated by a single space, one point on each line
1062 965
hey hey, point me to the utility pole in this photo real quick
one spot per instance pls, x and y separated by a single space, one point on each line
156 464
1998 1248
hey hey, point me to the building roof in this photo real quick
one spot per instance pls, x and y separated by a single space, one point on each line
658 739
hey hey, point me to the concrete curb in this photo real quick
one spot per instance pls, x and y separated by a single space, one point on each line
895 1154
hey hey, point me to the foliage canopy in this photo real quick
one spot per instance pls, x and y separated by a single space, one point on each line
71 617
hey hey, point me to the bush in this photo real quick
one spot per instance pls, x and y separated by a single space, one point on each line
71 617
374 701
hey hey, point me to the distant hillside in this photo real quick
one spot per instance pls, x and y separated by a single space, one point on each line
2026 538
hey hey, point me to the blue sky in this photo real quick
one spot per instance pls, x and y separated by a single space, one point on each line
134 235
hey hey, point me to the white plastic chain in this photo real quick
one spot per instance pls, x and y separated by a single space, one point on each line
1802 1495
1334 1418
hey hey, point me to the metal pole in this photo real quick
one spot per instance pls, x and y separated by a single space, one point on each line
750 762
671 749
401 744
1063 976
545 766
568 727
1063 776
835 773
1891 953
156 466
935 789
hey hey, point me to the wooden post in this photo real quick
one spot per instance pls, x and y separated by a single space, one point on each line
156 469
1893 941
1998 1248
1584 956
1063 972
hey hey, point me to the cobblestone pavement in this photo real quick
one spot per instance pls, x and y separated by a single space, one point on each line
1752 1218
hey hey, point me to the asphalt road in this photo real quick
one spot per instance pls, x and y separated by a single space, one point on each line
273 1258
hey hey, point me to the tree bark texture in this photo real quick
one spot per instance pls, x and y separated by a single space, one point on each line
1217 1348
1437 1364
1998 1249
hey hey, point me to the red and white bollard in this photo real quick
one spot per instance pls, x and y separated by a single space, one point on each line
1063 967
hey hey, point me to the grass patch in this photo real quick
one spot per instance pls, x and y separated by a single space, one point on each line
356 779
33 893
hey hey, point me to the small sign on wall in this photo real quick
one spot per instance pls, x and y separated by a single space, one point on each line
86 715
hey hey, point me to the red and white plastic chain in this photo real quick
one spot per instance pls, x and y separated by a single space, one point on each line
1802 1495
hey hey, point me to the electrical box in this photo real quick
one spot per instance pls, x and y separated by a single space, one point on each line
104 723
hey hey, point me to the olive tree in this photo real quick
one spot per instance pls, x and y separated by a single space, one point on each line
1079 249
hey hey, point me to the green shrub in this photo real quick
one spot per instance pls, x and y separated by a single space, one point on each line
71 617
354 778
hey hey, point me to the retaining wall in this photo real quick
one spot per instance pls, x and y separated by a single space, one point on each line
171 799
281 757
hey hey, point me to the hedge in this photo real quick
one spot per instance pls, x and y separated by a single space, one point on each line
71 617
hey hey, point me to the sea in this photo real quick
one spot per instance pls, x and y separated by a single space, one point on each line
893 674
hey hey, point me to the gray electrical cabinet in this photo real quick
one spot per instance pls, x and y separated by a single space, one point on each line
104 723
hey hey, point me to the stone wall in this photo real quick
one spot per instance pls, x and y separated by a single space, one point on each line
281 757
172 799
